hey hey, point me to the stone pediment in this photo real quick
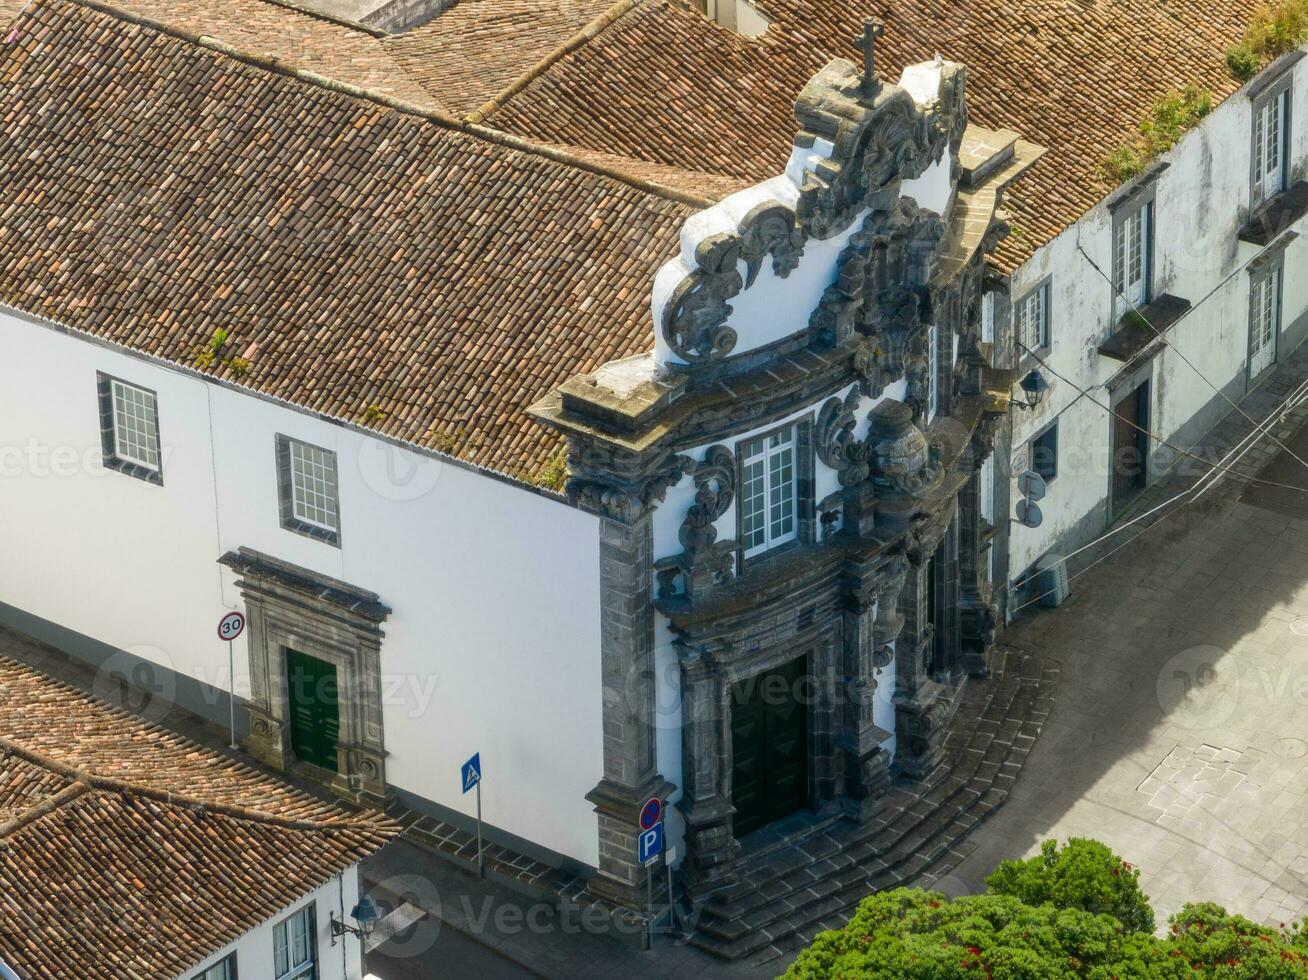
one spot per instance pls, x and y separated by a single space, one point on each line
753 269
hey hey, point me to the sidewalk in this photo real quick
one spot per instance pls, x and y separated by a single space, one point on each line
542 939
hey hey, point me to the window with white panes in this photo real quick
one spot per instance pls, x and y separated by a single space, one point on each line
1264 320
933 372
1269 143
1031 315
136 425
294 952
223 970
307 484
313 484
767 497
986 490
1132 248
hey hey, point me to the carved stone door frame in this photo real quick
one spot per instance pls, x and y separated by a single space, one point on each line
709 673
291 608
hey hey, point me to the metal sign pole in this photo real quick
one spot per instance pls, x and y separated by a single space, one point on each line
672 918
649 885
231 696
481 865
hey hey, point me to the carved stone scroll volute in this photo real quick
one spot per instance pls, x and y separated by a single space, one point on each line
836 445
695 318
706 561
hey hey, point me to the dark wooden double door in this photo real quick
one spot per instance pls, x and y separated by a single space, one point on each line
769 745
1130 446
313 709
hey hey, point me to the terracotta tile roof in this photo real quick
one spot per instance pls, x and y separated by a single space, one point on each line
478 47
358 255
127 851
281 31
664 84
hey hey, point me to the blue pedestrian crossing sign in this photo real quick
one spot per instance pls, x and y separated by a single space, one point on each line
649 844
471 772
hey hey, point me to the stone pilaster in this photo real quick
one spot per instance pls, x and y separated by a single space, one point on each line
867 765
627 678
710 845
921 706
978 616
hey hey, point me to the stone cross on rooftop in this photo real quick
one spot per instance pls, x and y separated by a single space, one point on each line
867 41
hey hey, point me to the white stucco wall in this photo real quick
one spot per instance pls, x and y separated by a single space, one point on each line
254 950
494 634
1202 199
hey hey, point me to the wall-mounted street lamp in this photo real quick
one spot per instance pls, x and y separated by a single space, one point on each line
365 913
1034 388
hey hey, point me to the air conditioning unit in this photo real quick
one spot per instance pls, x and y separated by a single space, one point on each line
1051 580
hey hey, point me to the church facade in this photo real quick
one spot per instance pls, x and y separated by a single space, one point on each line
765 591
793 491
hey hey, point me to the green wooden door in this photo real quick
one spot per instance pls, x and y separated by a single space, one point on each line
314 711
769 746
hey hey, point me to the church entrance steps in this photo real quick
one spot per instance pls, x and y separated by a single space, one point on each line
788 894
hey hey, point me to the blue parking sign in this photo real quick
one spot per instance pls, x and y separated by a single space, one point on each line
649 845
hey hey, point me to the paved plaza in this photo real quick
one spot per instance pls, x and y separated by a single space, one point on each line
1179 734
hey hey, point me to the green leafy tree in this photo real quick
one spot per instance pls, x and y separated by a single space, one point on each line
1215 943
1084 874
920 935
1063 914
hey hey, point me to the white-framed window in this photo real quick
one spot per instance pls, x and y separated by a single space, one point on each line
224 969
988 318
933 372
294 947
1269 145
309 489
136 425
129 429
767 498
1132 256
1031 315
1264 320
986 490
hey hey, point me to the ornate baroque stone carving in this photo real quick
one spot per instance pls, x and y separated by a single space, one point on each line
620 486
905 464
706 561
715 486
695 317
871 149
836 445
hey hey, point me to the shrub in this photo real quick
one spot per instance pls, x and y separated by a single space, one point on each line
1084 875
1062 914
1276 28
1241 62
1170 118
918 935
1216 943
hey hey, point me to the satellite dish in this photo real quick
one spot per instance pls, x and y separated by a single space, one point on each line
1028 514
1031 485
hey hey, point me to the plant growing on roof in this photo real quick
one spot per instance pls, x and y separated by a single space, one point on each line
554 474
1274 29
1170 118
373 414
209 355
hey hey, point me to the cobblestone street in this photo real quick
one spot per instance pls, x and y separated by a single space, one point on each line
1179 734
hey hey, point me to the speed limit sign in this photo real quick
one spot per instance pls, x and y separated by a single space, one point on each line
231 626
